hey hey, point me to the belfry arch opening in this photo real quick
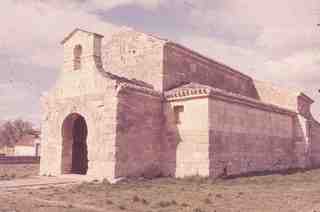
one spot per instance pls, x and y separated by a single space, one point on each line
74 145
77 53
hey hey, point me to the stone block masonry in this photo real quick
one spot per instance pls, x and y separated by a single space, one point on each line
144 106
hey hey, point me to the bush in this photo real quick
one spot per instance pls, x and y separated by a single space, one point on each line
136 199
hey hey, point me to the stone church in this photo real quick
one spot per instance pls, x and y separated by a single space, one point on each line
138 105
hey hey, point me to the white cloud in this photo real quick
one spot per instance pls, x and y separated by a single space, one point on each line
277 41
30 48
109 4
16 101
269 40
35 30
299 69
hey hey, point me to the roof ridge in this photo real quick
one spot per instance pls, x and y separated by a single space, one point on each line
81 30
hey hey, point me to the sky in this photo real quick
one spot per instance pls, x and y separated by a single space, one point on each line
274 40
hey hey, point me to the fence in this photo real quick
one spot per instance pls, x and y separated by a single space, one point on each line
19 160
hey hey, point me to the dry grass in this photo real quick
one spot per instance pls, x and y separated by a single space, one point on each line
295 192
12 171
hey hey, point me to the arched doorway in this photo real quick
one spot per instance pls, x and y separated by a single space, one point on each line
74 145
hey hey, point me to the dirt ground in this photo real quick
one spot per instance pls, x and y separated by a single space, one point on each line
298 192
13 171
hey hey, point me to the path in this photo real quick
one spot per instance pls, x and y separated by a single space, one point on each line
37 182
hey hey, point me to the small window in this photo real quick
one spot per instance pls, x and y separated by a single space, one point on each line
177 110
77 52
123 59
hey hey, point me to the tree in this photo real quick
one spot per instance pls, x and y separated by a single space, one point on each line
12 131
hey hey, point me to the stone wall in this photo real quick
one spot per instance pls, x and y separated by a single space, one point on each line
183 65
246 139
85 92
135 55
278 96
186 141
19 160
314 143
138 140
135 131
99 112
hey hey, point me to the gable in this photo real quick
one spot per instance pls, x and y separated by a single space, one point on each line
70 35
135 55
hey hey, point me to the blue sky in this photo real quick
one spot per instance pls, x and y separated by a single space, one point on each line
275 40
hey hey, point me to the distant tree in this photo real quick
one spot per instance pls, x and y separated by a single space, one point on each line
12 131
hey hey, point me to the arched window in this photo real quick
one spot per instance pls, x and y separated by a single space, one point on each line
77 52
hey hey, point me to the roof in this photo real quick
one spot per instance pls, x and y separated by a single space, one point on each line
81 30
131 84
123 86
27 140
195 90
195 53
192 87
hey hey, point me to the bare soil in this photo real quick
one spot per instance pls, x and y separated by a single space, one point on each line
13 171
298 192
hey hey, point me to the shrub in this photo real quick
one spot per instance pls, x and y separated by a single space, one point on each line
109 202
164 204
136 199
198 210
121 207
207 201
145 202
185 205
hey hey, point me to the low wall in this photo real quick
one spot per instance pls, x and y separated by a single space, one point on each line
19 160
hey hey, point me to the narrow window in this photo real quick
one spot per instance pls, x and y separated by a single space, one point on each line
37 150
77 52
177 110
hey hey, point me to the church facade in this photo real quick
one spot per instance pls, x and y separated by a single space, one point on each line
139 105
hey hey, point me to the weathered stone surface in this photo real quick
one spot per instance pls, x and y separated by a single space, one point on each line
154 108
138 140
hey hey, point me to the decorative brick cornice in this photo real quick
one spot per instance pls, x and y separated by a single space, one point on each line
193 91
190 92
